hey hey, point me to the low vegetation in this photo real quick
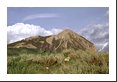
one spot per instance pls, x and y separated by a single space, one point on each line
69 61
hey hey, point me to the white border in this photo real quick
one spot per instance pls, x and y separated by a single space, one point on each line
58 77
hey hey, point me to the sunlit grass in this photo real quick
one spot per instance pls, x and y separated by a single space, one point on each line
26 61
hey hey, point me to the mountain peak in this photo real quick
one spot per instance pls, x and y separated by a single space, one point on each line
67 34
67 31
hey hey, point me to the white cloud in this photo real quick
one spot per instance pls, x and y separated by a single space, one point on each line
20 31
107 13
36 16
55 31
98 34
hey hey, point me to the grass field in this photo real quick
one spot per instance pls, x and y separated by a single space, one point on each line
32 61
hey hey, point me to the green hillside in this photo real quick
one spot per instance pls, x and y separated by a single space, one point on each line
68 61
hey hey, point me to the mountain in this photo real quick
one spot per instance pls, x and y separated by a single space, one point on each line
64 40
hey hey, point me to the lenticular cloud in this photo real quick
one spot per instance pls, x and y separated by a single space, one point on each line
20 31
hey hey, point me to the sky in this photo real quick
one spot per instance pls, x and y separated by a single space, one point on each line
90 22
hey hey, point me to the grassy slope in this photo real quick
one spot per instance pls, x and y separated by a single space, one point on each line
29 61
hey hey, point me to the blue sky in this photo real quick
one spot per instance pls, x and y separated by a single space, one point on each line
90 22
72 17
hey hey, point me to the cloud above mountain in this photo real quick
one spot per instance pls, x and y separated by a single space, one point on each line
20 31
37 16
98 34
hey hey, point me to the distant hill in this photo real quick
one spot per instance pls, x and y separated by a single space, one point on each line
64 40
